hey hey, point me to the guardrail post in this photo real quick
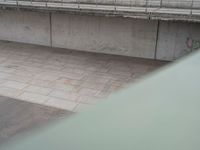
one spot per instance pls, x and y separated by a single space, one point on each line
46 3
17 2
146 5
78 1
161 3
115 5
131 3
192 4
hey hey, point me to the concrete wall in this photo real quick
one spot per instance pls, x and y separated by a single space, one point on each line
27 27
175 39
120 36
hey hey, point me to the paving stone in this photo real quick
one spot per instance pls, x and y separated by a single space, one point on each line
63 86
69 81
74 70
2 81
33 97
93 85
9 92
63 78
88 99
14 84
97 78
38 89
75 76
7 69
47 77
88 92
64 95
42 83
60 103
23 79
3 75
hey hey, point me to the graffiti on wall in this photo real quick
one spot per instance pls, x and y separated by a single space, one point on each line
192 44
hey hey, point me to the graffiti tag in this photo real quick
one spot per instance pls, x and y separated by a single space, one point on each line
192 44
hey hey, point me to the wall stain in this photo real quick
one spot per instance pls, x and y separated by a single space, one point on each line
192 44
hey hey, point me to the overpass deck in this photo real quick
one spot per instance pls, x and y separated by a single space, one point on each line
189 13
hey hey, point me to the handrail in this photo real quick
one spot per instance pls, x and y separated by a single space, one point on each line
183 4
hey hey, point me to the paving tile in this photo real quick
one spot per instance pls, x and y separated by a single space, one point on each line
62 78
7 69
93 85
32 64
42 83
14 84
63 86
97 78
88 99
60 103
23 79
46 76
69 81
88 92
53 67
24 73
39 60
37 89
33 97
122 73
2 58
3 75
74 70
30 69
64 95
2 81
9 92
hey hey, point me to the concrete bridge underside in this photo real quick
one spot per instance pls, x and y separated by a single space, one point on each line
162 40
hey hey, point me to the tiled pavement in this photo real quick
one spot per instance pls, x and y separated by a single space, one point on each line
63 78
24 117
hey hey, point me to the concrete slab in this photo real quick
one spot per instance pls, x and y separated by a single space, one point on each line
64 78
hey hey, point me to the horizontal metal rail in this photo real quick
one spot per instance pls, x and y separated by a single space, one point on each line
180 4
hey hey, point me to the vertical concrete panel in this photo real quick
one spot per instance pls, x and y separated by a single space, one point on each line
25 26
177 3
176 39
121 36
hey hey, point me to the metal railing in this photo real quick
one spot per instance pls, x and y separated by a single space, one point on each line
180 4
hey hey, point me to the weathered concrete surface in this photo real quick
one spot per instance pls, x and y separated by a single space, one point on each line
164 3
175 39
121 36
111 35
27 27
61 78
18 116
